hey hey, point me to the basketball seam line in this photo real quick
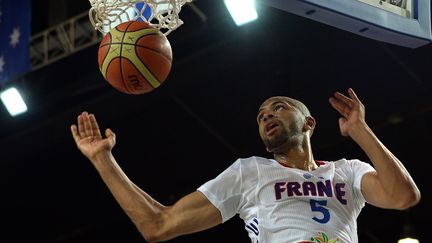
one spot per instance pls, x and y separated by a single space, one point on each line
121 56
145 79
139 73
127 43
148 48
169 59
105 75
103 61
156 51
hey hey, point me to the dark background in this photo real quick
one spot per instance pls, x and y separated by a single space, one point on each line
202 118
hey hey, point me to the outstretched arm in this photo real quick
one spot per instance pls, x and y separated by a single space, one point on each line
391 186
155 221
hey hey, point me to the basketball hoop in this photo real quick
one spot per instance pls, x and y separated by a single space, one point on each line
162 14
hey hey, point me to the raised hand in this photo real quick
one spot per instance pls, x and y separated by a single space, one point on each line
351 109
88 137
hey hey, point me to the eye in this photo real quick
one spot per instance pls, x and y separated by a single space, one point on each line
278 107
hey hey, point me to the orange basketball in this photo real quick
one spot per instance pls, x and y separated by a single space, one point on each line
135 58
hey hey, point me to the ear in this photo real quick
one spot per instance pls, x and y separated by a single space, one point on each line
268 150
310 123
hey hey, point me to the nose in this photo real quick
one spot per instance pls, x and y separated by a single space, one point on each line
267 115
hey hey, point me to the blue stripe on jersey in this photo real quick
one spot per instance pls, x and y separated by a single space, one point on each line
253 226
255 231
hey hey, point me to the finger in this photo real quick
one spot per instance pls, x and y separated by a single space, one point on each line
339 106
342 121
353 95
94 126
81 130
344 99
75 134
110 135
87 125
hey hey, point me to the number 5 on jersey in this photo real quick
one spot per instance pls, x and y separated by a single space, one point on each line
319 206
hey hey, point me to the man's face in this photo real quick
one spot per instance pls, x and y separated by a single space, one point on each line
280 122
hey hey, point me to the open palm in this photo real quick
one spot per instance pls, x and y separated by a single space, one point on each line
351 109
88 137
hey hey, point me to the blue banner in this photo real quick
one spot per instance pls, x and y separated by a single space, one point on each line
14 38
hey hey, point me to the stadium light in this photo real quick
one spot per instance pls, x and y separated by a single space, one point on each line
242 11
408 233
408 240
13 101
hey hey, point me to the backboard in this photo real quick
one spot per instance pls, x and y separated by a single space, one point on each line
400 22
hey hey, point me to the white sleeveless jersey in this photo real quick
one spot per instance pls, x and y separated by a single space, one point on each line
281 204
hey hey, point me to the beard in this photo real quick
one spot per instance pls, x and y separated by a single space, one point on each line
277 141
284 139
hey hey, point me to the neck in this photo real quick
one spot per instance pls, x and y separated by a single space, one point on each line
299 156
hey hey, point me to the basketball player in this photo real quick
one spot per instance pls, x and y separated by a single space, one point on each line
290 198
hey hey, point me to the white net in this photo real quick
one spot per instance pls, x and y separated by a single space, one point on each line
162 14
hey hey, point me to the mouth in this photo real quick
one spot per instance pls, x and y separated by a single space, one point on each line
271 128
